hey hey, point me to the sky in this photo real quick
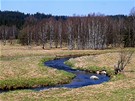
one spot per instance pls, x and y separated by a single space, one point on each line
69 7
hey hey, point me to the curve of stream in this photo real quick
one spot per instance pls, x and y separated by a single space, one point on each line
82 78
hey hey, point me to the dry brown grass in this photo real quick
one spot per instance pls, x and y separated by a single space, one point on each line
26 67
107 60
122 90
21 61
104 60
17 50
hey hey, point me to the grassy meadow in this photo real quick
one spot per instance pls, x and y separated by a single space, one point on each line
22 67
102 62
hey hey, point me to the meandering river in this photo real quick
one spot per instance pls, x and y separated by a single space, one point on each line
82 78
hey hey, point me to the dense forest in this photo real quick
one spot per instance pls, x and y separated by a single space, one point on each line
94 31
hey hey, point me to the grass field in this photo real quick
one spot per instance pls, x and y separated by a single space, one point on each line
102 62
22 66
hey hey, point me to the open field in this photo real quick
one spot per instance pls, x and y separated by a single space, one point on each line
27 70
103 61
20 64
22 67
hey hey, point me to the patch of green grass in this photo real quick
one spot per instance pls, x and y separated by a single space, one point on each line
41 62
24 83
119 76
34 82
69 64
109 71
96 68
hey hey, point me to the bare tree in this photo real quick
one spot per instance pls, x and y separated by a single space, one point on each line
60 33
51 31
79 33
124 59
43 27
94 31
57 33
4 32
132 14
70 34
29 24
12 32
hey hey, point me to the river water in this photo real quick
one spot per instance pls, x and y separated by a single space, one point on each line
82 78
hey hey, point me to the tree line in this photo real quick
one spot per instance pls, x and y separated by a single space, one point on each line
94 31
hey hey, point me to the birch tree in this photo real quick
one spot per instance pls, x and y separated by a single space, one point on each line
51 31
70 34
12 35
60 32
4 32
29 23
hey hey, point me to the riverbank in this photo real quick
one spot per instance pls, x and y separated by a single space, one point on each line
20 61
22 67
121 90
28 77
27 70
103 62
